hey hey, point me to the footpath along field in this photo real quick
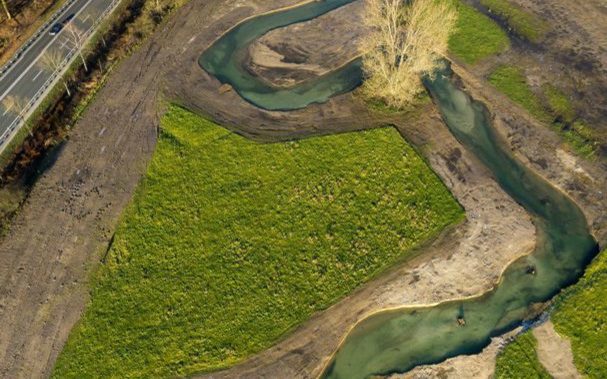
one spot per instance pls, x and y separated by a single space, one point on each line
228 244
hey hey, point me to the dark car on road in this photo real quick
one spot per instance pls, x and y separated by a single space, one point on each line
59 25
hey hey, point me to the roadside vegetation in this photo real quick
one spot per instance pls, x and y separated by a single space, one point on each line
519 360
229 244
549 105
476 36
523 23
581 315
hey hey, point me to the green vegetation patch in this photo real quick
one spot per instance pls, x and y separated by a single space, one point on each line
558 103
523 23
476 36
519 360
229 244
512 82
556 110
581 315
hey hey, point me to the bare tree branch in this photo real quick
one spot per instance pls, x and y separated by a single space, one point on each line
52 60
406 41
14 104
77 37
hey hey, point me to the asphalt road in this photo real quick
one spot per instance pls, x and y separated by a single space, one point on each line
29 74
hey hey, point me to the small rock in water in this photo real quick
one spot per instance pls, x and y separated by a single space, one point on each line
225 88
461 321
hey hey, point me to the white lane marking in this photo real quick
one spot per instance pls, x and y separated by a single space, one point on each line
24 53
7 110
37 75
39 55
86 18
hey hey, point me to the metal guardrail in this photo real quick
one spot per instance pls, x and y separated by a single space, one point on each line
55 75
33 38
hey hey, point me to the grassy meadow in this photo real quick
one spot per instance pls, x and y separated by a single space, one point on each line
523 23
229 244
476 36
519 360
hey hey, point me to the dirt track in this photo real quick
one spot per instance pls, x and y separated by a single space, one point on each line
67 222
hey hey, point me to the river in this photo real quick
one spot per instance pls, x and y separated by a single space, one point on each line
395 341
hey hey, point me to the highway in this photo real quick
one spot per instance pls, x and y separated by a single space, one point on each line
24 84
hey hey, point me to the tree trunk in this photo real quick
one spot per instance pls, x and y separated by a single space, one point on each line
86 68
5 6
67 88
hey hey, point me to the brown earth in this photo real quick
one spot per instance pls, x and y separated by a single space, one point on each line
572 57
67 222
554 352
282 59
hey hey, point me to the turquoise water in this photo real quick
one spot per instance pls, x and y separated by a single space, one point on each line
225 60
398 340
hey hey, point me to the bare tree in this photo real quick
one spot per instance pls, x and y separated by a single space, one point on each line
15 104
52 60
77 37
407 38
6 10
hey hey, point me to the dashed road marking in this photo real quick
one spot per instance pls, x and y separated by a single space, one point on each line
37 75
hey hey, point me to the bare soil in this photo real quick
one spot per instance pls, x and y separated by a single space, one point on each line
69 217
283 58
479 366
554 352
572 57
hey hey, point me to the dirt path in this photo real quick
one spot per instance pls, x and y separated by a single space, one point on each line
554 352
67 222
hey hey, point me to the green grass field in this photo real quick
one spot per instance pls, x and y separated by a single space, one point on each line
581 315
477 36
523 23
229 244
556 110
512 82
519 360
